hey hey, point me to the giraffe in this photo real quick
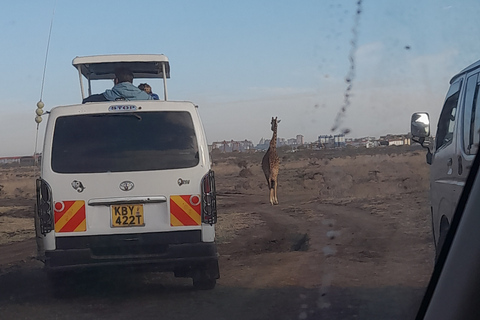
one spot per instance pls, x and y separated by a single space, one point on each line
271 163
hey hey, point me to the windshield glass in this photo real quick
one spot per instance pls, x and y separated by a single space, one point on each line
119 142
327 207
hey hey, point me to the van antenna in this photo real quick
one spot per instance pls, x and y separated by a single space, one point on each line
40 103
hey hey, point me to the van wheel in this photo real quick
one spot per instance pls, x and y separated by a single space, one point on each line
444 226
203 279
204 283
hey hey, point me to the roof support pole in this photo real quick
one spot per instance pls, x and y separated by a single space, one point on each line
165 94
81 83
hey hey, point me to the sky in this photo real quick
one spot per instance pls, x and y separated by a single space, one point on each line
244 62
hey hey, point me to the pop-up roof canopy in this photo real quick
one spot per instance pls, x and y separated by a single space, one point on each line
103 67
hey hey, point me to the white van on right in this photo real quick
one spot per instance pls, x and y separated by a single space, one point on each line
455 146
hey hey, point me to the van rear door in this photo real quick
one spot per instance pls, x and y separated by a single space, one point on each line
126 172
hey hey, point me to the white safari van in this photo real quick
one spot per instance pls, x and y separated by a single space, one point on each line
456 143
127 183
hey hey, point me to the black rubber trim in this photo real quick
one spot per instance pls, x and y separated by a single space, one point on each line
171 256
101 241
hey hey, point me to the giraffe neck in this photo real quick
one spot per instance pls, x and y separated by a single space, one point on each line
273 142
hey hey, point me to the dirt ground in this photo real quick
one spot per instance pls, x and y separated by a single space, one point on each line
350 239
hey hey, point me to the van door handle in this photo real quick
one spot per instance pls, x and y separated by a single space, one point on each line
460 166
449 166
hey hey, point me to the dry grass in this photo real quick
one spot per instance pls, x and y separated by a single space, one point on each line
229 225
332 177
15 229
347 177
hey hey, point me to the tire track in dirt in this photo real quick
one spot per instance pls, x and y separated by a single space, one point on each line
17 254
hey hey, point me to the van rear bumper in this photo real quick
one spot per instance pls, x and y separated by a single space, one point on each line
165 251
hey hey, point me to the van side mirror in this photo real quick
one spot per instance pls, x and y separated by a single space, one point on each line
420 129
420 125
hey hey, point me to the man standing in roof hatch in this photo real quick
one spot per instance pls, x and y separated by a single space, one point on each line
123 89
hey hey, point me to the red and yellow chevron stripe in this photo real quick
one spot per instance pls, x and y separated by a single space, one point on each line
185 210
70 216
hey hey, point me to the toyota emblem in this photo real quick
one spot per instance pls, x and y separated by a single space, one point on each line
126 185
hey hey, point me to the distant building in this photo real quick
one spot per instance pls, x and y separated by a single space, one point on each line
232 146
364 142
300 140
372 142
292 142
263 144
329 141
22 161
339 141
325 141
395 139
6 160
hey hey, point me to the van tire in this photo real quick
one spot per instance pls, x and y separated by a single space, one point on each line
444 226
205 278
204 283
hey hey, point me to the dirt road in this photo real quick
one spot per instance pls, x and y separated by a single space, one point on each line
350 239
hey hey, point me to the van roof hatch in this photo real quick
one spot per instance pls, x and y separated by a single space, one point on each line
102 67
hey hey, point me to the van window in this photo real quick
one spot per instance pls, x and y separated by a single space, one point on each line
476 121
470 127
120 142
446 123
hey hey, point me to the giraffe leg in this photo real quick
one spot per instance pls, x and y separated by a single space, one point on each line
271 184
275 200
271 196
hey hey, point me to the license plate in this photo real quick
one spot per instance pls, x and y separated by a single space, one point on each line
127 215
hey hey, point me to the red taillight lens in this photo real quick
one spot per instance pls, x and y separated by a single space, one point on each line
209 199
44 206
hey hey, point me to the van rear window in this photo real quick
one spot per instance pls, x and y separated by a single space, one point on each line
127 141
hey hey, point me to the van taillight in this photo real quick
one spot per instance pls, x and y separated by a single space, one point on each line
209 199
44 206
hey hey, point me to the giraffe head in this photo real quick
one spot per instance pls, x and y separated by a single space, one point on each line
274 123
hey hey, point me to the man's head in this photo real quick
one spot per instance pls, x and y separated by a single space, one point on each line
123 75
145 87
148 89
